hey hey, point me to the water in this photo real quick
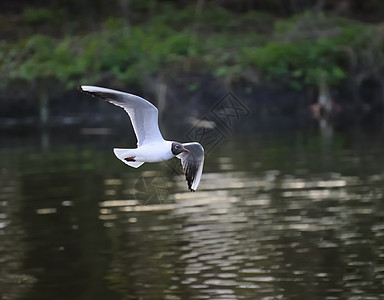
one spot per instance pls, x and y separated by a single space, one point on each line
284 214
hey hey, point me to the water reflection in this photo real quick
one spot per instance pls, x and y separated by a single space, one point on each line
14 281
274 236
278 220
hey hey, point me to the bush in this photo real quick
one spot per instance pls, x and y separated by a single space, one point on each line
302 50
311 48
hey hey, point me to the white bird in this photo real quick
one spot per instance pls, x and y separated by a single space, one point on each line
151 147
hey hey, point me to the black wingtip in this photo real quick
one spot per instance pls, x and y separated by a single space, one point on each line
93 94
80 88
189 182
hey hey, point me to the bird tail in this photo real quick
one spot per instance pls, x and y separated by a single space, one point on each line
123 154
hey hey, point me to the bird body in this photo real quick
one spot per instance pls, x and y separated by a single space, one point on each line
152 152
151 147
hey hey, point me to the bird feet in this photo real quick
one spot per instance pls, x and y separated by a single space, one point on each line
130 158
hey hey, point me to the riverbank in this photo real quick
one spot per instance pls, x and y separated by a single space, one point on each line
310 53
276 107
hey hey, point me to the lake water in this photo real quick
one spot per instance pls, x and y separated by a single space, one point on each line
291 213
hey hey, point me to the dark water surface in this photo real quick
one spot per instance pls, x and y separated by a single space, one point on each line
296 214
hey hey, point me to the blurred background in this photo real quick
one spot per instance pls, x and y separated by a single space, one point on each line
285 96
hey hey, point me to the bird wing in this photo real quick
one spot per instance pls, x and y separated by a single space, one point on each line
192 163
143 114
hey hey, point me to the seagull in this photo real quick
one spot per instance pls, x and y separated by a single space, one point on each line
151 147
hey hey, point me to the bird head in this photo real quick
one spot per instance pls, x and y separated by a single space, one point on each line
178 148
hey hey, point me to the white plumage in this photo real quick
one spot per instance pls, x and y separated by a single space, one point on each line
151 147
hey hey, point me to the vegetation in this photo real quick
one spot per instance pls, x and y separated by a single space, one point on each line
161 38
309 48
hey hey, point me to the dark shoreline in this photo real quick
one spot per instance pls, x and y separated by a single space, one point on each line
274 104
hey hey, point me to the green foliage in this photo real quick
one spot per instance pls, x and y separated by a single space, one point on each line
47 58
128 53
208 17
37 16
297 64
302 50
122 52
311 48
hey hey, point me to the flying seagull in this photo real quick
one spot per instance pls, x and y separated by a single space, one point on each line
151 147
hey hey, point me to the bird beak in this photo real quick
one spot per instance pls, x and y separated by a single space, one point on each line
185 150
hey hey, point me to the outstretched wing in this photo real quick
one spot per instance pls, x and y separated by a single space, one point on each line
192 164
143 114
